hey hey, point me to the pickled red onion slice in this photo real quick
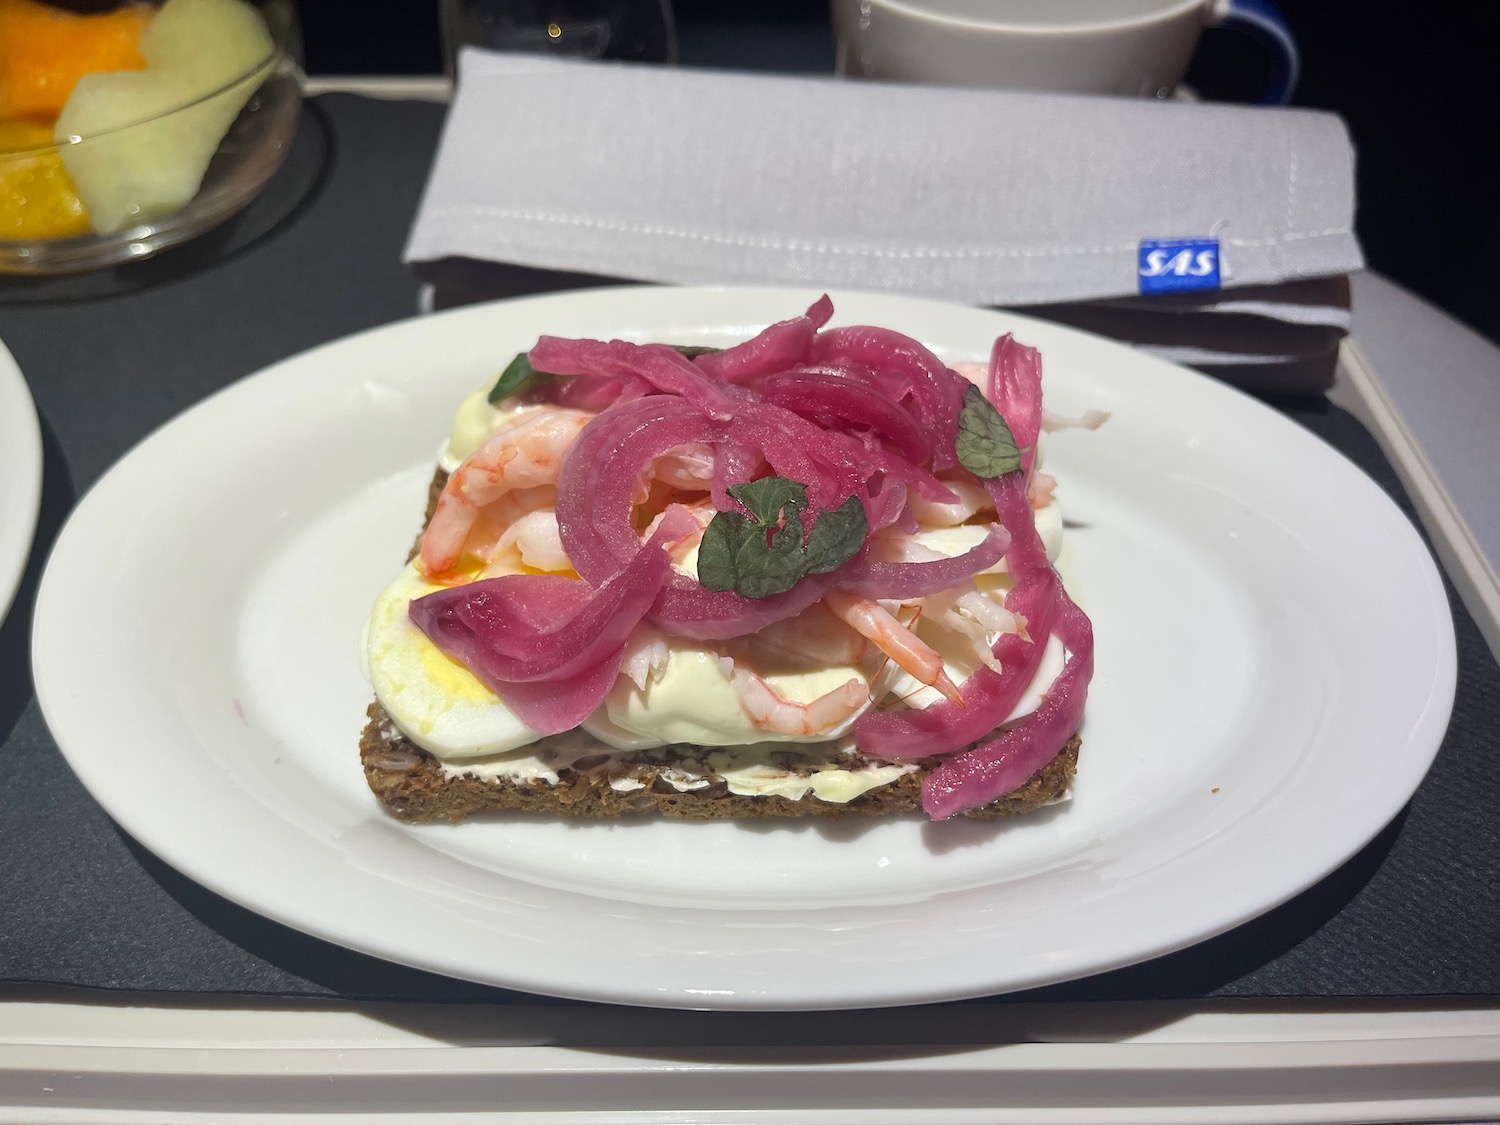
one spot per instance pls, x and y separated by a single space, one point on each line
560 635
732 463
838 403
595 393
975 778
988 696
776 348
595 499
905 580
935 391
555 705
1016 391
660 366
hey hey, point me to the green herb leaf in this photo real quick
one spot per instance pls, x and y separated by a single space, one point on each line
770 550
836 536
774 567
692 351
766 498
518 378
719 550
985 445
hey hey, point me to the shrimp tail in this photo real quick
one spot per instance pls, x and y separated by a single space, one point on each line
870 619
948 688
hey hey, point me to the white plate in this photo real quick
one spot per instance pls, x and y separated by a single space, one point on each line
20 477
1275 672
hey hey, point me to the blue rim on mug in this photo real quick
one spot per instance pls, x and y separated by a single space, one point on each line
1260 19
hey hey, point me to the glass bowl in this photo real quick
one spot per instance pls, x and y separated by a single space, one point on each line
140 185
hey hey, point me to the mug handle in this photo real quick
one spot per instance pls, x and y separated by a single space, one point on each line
1260 19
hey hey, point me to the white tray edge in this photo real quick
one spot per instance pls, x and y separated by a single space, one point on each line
1359 390
67 1057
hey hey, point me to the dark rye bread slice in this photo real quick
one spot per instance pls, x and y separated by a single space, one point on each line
415 787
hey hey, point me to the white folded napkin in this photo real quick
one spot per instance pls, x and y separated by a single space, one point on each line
979 196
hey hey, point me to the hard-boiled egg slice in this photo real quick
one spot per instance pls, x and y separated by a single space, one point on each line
432 699
953 541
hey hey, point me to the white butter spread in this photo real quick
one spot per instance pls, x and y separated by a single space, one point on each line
762 769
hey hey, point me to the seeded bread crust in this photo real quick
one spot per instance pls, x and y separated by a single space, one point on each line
413 785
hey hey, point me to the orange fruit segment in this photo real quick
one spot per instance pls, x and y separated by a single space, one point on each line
45 50
37 199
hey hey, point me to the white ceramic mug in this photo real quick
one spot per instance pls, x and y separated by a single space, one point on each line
1133 47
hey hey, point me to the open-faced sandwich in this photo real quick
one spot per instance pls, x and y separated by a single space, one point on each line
809 574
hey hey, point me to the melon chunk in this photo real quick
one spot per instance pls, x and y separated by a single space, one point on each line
214 41
148 135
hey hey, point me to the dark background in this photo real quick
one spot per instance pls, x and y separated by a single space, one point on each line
1419 94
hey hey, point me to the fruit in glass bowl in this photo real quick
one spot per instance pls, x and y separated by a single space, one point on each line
131 128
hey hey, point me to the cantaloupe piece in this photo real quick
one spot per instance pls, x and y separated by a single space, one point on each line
148 135
44 51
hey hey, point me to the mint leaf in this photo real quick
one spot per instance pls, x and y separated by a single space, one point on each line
770 550
767 497
985 445
774 567
517 378
719 551
836 536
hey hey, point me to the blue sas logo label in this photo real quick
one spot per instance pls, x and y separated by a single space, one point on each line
1178 265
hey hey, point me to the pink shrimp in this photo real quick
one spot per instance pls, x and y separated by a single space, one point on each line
1088 420
768 711
702 513
977 373
537 541
646 656
687 468
871 619
813 639
1039 489
525 454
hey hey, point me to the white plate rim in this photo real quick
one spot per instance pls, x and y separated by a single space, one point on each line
21 469
73 737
